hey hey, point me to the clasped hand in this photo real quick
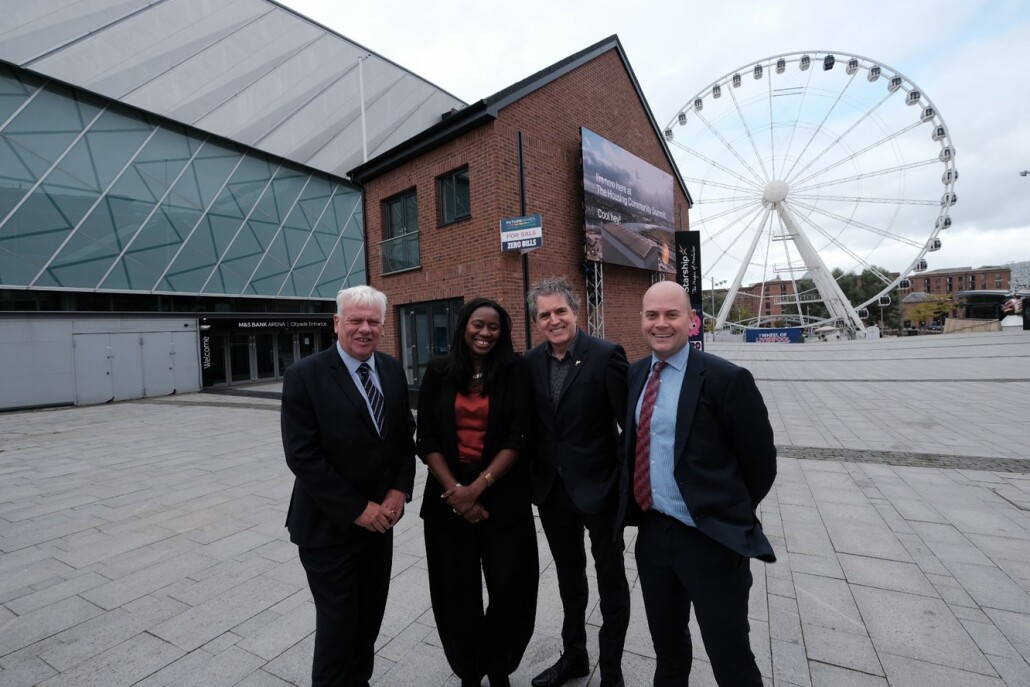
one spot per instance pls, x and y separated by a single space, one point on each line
380 517
463 500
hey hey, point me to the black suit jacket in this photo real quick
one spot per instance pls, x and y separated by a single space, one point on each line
579 438
506 427
724 451
332 446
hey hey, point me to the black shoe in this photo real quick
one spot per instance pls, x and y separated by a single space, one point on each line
612 682
561 672
499 681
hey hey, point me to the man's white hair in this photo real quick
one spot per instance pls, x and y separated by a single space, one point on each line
361 296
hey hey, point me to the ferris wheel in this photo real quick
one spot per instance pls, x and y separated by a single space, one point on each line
807 165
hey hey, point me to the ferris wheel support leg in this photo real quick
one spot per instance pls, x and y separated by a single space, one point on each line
834 299
731 295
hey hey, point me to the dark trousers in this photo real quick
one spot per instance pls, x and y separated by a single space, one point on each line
480 642
564 524
680 566
349 584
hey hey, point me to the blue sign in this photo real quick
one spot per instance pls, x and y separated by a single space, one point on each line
522 233
782 335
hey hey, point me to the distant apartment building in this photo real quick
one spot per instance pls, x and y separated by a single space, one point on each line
977 293
955 279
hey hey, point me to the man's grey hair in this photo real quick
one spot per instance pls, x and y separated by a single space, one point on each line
548 287
362 297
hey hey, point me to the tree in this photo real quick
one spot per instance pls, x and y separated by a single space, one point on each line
857 288
931 309
811 308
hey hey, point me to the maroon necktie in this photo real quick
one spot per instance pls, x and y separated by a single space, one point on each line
642 467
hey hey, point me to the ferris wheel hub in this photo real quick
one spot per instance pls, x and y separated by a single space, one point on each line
775 191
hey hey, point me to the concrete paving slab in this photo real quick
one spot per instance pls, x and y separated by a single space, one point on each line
124 664
834 676
918 627
885 574
847 650
907 672
882 515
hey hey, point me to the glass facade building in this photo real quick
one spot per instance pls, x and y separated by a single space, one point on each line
96 196
176 206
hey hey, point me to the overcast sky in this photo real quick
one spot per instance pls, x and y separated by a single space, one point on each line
970 58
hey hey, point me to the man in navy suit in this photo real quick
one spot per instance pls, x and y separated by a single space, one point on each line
699 458
579 398
348 437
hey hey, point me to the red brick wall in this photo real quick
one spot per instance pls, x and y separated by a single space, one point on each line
464 259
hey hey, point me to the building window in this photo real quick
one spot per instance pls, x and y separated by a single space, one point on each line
400 247
454 200
426 331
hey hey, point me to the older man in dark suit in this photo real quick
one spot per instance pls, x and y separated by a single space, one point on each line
579 394
348 436
699 459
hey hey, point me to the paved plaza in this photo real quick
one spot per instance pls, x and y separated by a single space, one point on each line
143 542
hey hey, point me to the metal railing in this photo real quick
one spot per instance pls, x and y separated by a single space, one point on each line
401 253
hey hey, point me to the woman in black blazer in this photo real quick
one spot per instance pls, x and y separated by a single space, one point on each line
472 421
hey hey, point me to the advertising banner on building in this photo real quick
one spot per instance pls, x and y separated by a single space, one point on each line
629 207
688 275
522 234
781 335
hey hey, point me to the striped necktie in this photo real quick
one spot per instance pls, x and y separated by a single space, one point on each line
375 397
642 465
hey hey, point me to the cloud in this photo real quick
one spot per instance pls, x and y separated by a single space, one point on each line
969 58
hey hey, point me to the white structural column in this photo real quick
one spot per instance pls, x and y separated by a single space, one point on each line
836 302
731 295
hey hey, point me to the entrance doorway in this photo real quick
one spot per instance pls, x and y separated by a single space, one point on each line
426 332
232 352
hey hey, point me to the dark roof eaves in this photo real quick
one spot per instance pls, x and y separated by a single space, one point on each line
489 109
535 82
654 123
542 78
473 116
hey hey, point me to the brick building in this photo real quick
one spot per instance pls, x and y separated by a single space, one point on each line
771 300
954 279
433 204
962 285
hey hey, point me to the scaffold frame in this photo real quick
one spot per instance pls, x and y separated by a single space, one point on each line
595 299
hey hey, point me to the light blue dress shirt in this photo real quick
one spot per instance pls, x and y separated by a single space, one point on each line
665 493
353 364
